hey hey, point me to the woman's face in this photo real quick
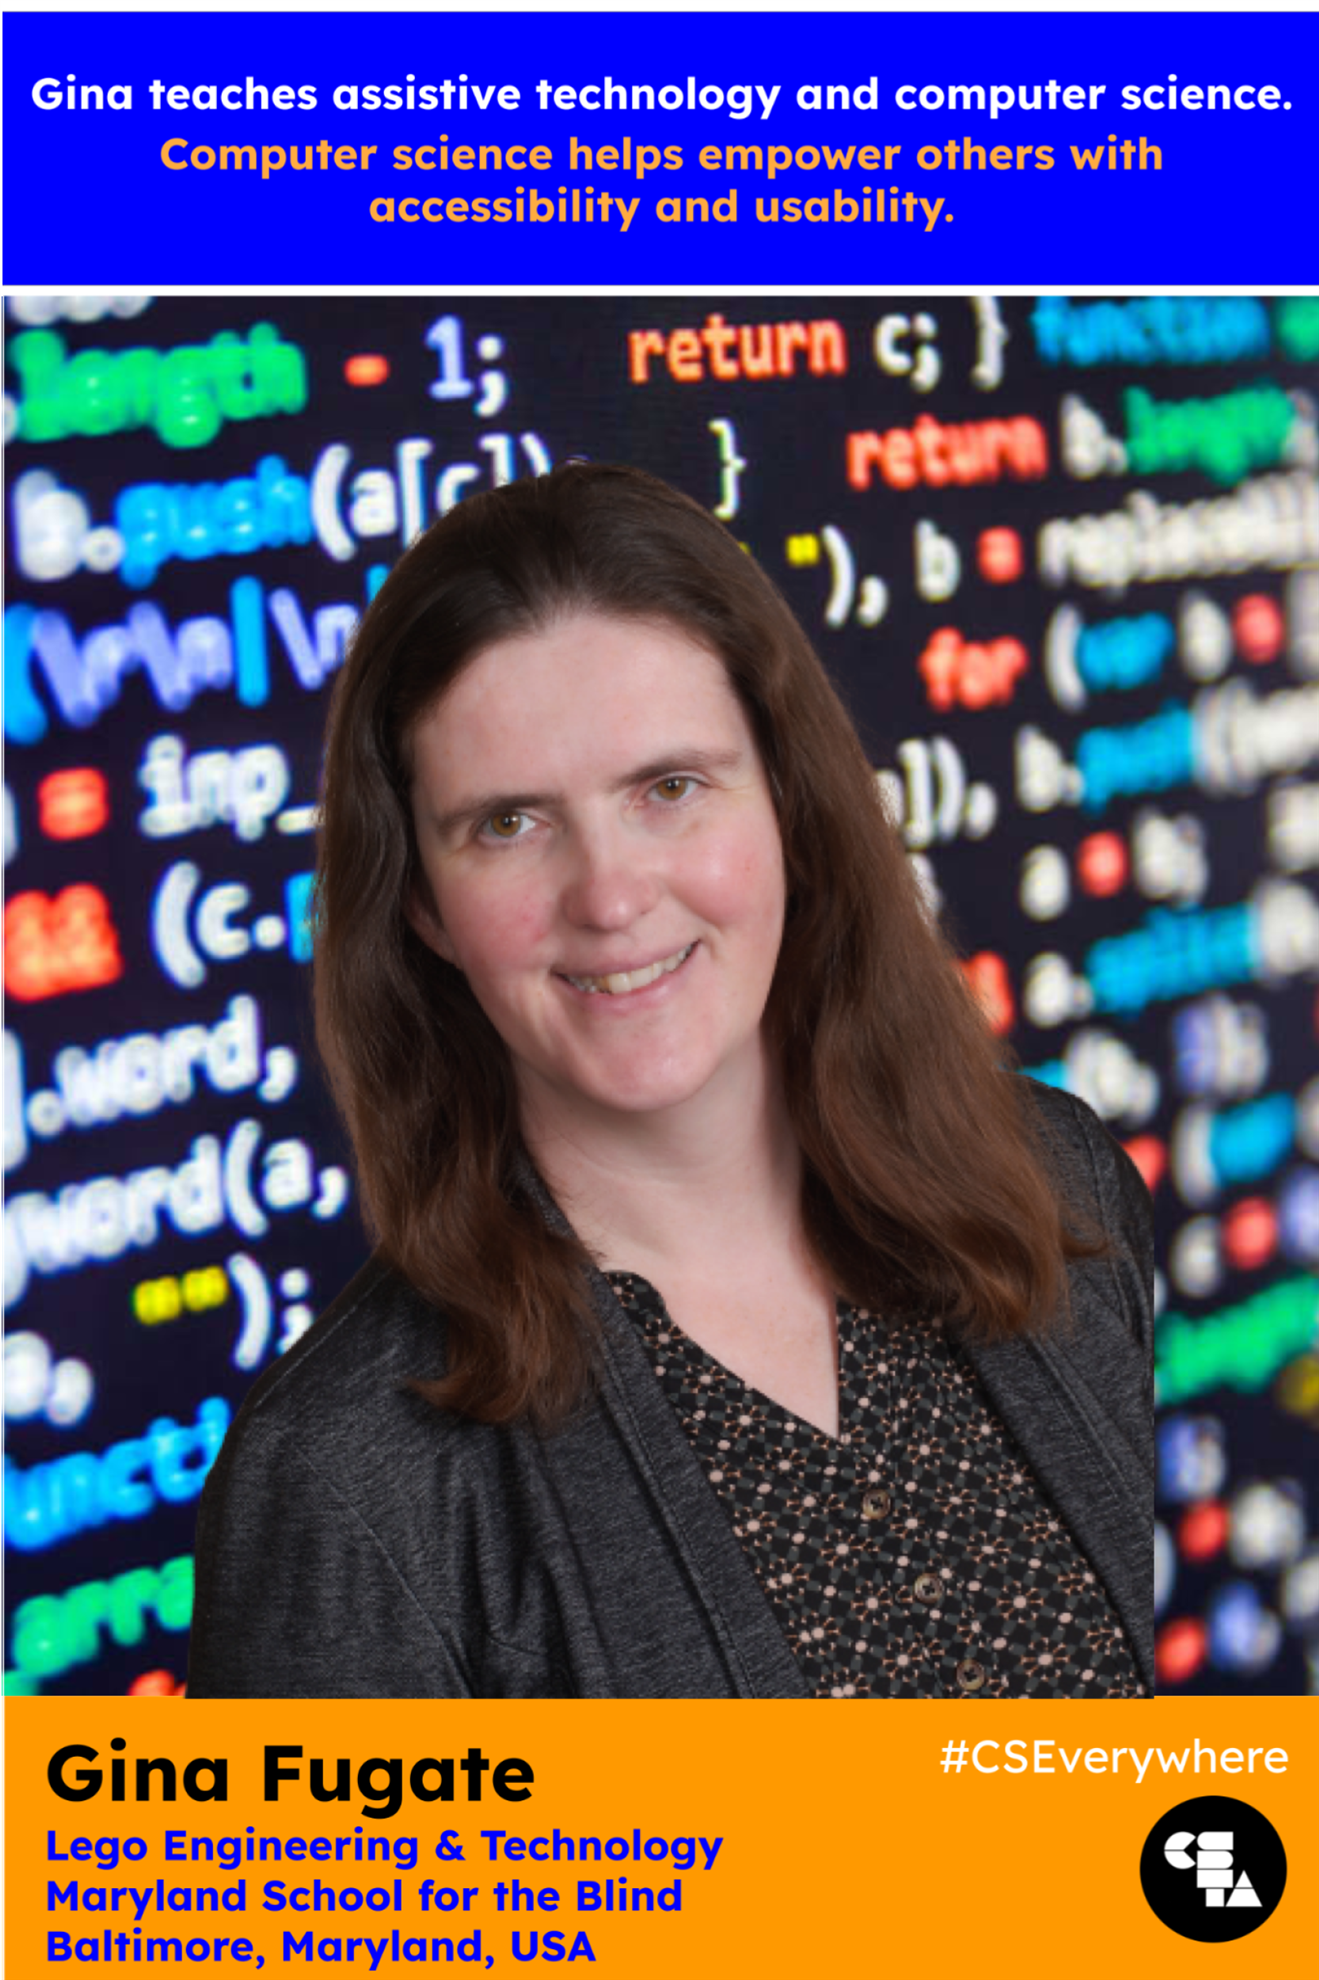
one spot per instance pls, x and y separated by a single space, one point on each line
604 864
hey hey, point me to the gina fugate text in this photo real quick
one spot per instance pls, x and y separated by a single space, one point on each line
75 1775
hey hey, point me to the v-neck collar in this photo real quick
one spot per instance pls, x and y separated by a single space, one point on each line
1077 1450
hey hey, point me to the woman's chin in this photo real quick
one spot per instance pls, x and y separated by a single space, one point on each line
632 1088
637 1098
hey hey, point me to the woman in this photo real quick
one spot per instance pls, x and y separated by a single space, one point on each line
739 1325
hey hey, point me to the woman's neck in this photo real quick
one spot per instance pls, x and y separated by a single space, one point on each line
704 1201
720 1174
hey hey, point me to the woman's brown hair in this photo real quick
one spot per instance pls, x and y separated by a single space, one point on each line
922 1177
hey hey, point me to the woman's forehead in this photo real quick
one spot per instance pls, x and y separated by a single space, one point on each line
581 692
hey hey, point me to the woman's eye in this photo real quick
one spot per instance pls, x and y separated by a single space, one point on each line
505 824
673 788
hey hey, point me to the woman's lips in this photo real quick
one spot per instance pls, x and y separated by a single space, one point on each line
620 982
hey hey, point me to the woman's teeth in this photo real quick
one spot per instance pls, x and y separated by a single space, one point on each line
634 979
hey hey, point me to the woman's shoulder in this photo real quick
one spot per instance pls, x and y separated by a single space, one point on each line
1093 1171
357 1365
1084 1153
1073 1130
339 1523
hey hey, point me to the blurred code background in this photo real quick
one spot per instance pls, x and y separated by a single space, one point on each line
1061 557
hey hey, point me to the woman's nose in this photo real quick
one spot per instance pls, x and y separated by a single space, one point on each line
609 884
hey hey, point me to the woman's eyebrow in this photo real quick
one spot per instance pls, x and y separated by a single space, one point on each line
673 762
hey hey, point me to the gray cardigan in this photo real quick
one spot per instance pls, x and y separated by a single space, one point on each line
355 1542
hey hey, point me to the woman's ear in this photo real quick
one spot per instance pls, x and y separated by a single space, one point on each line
425 922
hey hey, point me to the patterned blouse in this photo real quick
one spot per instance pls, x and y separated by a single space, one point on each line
915 1555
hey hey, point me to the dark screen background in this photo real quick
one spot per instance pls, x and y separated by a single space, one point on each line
1060 557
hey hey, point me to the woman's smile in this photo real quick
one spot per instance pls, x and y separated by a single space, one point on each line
628 981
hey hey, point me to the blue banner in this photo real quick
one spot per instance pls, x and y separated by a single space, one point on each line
213 149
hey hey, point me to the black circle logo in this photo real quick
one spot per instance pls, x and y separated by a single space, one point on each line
1213 1868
